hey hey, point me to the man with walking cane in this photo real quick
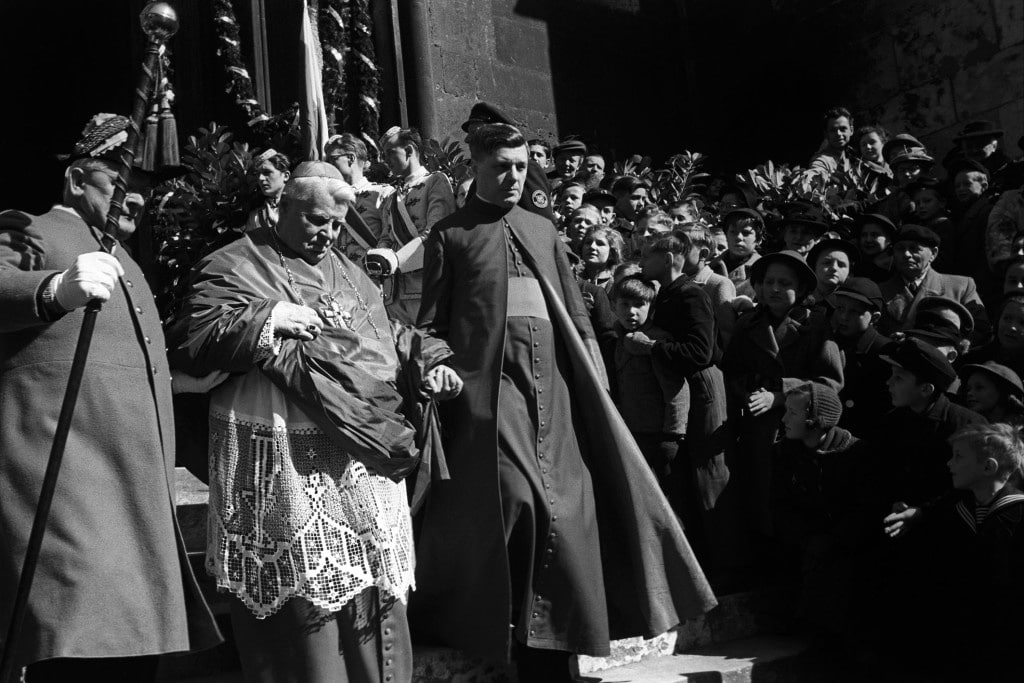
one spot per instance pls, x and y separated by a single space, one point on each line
113 587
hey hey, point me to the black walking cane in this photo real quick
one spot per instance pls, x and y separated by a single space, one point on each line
159 22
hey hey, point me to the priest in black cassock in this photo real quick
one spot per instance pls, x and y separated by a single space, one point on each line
552 521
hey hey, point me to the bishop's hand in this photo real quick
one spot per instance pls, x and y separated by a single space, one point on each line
442 383
293 321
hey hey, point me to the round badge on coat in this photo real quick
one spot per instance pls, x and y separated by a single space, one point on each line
540 199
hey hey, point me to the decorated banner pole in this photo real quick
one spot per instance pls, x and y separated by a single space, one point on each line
159 22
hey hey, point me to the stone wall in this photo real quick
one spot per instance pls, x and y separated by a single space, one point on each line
925 66
486 50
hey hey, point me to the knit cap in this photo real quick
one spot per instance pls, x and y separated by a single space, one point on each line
824 407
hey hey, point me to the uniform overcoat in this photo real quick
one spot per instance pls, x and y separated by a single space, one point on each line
113 578
652 581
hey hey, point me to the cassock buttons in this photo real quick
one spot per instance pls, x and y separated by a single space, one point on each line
138 309
536 344
536 376
387 632
543 423
129 283
148 340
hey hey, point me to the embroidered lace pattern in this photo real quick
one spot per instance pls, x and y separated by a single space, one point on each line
269 344
292 515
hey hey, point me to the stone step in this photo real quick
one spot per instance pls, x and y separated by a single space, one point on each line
735 618
764 658
775 659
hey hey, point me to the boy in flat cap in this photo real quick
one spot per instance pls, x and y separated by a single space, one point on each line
914 436
864 395
114 587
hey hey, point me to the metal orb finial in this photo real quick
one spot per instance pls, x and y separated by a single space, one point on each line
159 21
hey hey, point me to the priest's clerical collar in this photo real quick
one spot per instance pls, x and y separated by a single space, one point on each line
488 208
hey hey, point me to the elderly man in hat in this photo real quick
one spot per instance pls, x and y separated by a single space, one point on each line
537 188
568 159
309 521
113 587
915 248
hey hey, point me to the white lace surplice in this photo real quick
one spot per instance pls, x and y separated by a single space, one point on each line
291 514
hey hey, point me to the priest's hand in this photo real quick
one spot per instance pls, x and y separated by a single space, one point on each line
293 321
442 383
93 276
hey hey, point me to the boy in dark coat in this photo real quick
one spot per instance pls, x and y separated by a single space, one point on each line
653 402
913 438
813 502
685 311
864 395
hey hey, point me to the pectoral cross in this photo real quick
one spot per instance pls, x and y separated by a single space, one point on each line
334 314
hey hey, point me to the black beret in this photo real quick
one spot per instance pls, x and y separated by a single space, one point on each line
485 113
599 196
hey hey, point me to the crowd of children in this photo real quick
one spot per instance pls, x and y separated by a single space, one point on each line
827 403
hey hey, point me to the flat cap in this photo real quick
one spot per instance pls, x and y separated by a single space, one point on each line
570 147
919 234
921 359
862 289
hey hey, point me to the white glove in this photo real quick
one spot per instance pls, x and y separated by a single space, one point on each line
93 276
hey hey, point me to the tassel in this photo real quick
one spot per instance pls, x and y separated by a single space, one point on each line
147 159
168 136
